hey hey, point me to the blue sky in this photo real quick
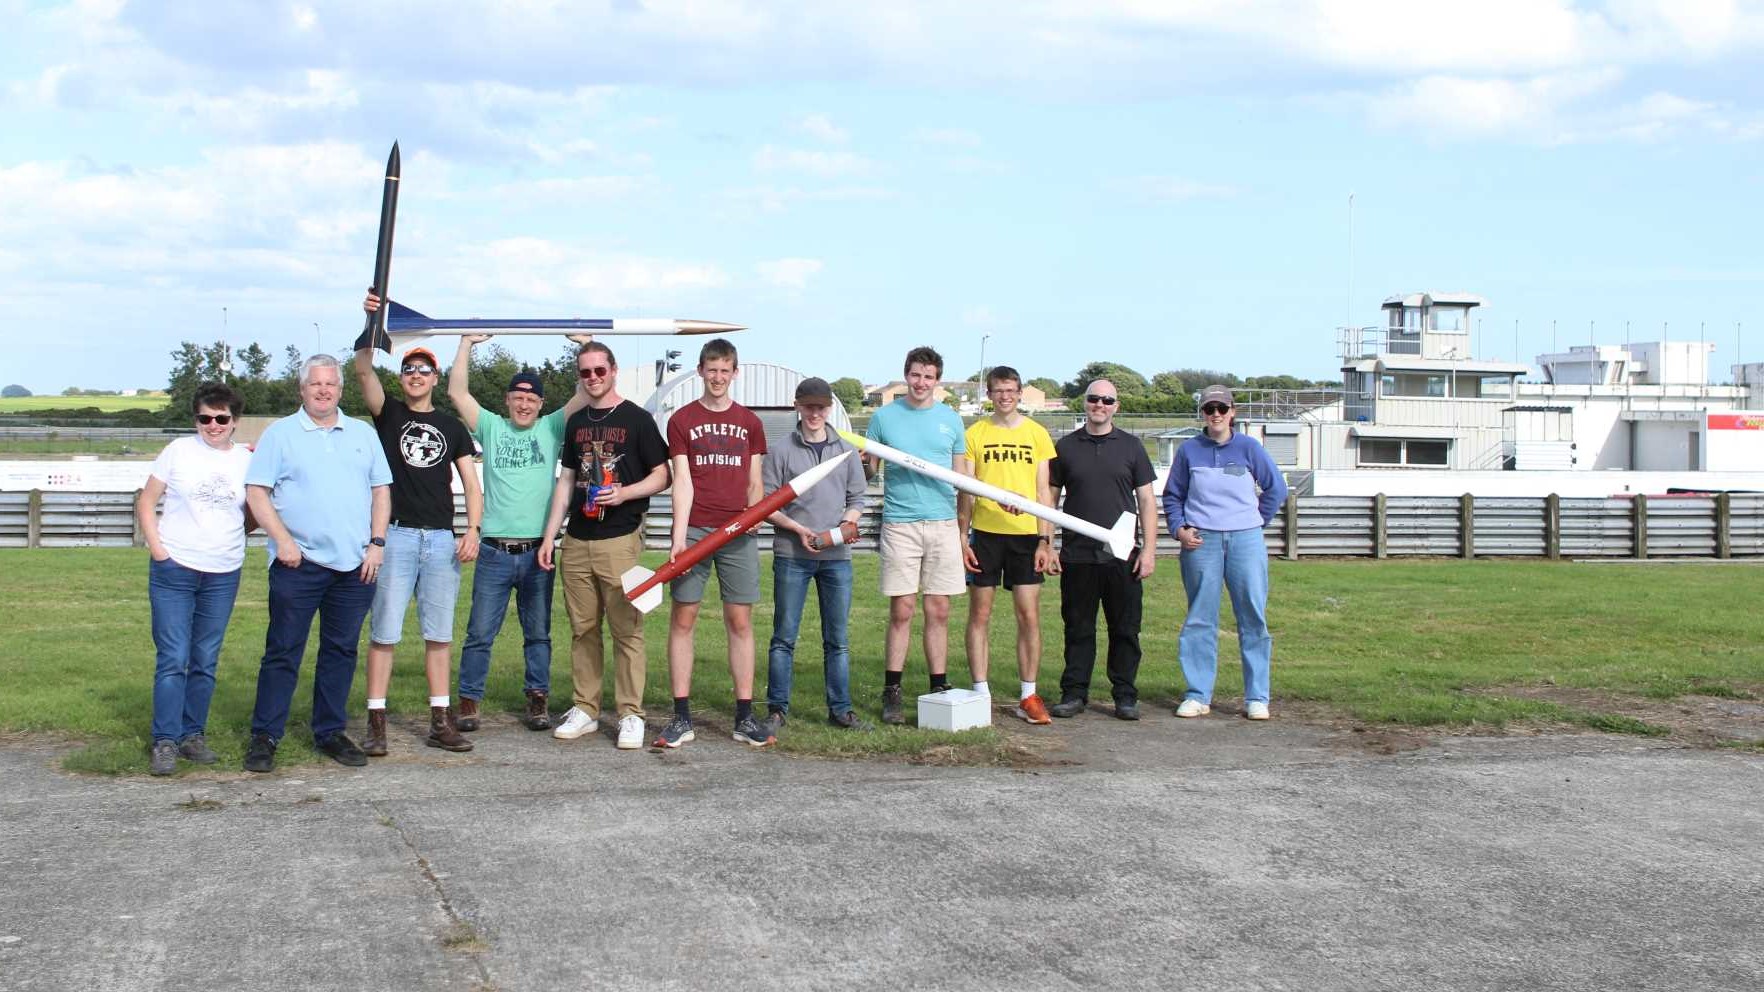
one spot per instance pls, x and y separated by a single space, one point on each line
1163 184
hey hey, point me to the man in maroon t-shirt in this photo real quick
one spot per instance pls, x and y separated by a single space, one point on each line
715 445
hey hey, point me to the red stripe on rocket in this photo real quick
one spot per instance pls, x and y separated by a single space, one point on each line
643 587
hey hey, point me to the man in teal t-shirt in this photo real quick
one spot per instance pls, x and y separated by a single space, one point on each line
520 468
921 545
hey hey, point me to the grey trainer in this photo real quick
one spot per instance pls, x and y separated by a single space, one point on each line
195 748
165 758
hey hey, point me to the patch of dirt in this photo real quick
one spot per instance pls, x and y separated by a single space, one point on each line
1700 721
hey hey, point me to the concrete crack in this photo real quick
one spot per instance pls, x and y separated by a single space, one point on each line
462 936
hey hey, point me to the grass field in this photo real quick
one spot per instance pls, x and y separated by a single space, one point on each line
1412 643
108 404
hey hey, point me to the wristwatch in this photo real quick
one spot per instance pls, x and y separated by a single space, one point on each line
378 542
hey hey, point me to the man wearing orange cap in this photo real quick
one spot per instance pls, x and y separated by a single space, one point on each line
424 447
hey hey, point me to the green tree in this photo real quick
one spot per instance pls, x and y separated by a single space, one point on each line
253 362
14 391
1127 382
1051 387
849 392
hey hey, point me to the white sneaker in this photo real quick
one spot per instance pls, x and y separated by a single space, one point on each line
630 732
1193 707
1256 711
575 724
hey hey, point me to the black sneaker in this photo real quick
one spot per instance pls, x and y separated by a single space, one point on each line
339 748
775 720
1126 710
1068 707
195 748
677 732
892 710
751 731
260 754
849 721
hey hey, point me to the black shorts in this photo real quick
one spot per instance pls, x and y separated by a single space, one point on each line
1005 559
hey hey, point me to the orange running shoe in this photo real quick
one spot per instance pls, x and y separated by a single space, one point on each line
1033 710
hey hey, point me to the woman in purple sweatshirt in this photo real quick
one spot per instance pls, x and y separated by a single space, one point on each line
1222 490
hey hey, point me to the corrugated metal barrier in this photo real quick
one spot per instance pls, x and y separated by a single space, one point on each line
1704 526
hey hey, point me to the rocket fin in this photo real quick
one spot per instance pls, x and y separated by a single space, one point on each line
635 576
1122 534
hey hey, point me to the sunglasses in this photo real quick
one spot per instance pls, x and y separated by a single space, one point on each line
596 372
1215 409
418 369
1103 400
222 419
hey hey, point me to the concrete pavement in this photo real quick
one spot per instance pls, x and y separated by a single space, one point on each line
1199 854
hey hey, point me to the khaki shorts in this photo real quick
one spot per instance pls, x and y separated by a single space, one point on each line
922 556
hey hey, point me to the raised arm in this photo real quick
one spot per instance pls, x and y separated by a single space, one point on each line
459 387
372 393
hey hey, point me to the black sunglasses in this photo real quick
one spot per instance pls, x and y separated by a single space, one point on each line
417 369
594 372
1212 408
1104 400
222 419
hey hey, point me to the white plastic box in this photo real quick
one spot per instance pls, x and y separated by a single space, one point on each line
954 709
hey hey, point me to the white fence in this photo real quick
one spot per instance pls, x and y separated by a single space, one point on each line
1727 525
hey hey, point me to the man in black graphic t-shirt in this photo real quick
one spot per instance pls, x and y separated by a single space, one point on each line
424 447
613 460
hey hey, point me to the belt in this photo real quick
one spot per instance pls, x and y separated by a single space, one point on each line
512 547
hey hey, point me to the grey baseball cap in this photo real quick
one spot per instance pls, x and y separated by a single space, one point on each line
1216 394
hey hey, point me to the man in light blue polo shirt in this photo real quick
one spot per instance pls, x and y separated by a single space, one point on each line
320 486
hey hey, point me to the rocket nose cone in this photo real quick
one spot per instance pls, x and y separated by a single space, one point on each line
393 162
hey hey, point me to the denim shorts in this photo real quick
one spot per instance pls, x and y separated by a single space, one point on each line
738 576
420 562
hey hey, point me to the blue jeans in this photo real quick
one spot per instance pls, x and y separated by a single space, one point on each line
790 582
190 612
341 601
423 562
1238 561
496 574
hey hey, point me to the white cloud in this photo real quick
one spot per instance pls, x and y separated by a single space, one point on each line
953 137
821 127
981 317
775 198
1170 189
789 273
825 164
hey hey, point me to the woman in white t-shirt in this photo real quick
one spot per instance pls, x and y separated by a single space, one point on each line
197 549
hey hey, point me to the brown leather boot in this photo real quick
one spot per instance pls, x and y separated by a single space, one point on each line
442 733
468 715
374 744
538 710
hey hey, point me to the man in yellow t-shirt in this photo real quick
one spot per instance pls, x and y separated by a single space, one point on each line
1007 546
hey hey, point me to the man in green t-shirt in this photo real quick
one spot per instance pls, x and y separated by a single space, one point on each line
520 462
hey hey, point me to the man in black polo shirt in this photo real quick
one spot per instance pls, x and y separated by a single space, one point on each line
1104 472
424 447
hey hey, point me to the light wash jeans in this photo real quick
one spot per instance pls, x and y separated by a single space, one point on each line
423 562
190 612
1236 560
790 581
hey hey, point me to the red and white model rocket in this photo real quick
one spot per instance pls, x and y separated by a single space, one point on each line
643 587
